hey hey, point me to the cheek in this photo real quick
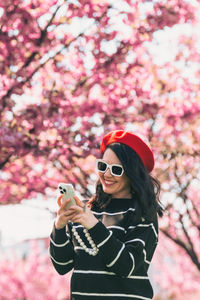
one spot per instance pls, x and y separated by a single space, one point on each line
100 176
125 181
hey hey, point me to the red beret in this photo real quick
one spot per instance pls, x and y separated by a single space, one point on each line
133 141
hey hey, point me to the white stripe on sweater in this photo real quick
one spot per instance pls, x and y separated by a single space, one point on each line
117 257
108 273
116 213
104 241
133 264
61 263
145 225
116 227
136 240
144 251
145 257
111 295
59 245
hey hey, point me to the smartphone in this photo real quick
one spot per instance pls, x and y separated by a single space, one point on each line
67 190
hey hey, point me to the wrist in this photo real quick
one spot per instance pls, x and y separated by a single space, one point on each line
91 224
58 226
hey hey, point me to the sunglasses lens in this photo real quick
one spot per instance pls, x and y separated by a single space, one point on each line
117 170
101 166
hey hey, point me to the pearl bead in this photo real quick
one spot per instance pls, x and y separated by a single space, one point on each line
94 249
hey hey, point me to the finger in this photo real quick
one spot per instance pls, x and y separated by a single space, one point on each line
69 215
63 206
75 209
76 218
78 201
59 200
72 210
64 203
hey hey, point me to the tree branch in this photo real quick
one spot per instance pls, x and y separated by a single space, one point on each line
183 246
30 59
2 164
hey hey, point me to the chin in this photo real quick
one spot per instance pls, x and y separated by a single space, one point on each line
108 190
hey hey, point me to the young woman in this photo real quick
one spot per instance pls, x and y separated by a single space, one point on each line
109 243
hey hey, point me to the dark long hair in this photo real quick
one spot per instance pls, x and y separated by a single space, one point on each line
145 189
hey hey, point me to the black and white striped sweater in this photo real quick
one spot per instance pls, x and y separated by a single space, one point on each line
119 270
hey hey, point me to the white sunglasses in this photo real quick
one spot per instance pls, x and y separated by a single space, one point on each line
115 170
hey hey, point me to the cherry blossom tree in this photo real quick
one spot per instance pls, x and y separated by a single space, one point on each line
32 278
174 273
74 70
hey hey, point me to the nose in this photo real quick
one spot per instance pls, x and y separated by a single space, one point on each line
107 173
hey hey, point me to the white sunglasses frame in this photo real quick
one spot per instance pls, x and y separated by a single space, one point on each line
110 167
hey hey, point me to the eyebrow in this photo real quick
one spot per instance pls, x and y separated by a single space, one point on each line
113 163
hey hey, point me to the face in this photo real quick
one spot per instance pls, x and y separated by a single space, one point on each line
118 187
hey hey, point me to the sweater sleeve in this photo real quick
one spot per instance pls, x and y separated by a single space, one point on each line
125 258
61 250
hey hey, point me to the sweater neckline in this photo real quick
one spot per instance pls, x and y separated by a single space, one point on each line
120 203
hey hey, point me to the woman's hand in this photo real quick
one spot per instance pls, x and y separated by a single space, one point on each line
63 216
82 214
74 213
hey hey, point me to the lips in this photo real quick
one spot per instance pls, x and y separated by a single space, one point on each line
109 182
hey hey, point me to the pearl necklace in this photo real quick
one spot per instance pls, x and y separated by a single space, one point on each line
94 249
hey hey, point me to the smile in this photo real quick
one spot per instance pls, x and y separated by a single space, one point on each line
108 182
